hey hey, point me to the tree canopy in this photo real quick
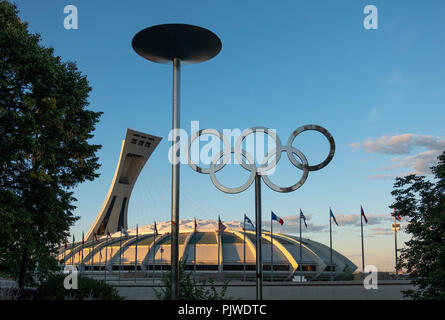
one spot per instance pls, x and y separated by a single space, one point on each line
45 151
422 202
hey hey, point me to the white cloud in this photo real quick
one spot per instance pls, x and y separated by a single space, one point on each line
354 219
377 231
404 144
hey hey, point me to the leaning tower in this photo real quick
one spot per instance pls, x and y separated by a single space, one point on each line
135 151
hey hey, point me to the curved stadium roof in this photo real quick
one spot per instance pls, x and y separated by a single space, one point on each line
208 252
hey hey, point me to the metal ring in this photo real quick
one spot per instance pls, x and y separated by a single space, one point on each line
260 170
211 132
299 183
264 167
227 189
315 128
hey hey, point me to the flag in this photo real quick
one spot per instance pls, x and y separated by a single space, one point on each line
363 214
155 230
246 219
333 217
303 217
125 233
398 217
221 226
275 217
95 236
81 251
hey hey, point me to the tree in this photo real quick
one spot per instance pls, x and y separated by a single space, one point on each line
44 149
422 202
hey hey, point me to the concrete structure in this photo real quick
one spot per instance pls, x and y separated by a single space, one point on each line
326 290
136 149
208 253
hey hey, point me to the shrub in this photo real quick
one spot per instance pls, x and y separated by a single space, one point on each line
88 289
190 289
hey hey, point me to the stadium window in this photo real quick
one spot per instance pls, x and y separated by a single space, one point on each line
233 267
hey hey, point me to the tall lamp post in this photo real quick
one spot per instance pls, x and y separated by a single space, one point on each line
260 172
176 44
395 228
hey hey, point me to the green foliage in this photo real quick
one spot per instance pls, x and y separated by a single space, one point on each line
347 275
44 149
88 289
190 289
422 203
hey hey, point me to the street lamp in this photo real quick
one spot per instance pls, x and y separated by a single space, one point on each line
175 44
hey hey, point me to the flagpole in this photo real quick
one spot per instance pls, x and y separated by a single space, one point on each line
395 242
136 253
363 247
330 243
258 247
106 258
154 252
64 254
89 253
271 248
100 257
72 253
82 264
244 249
218 240
301 254
194 249
161 265
92 261
120 256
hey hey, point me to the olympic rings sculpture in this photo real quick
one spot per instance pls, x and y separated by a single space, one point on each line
266 165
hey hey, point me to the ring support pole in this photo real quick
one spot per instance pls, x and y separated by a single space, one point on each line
259 259
175 182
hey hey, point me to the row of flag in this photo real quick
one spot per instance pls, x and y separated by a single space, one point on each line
222 227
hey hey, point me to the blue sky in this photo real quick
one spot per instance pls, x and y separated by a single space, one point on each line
283 64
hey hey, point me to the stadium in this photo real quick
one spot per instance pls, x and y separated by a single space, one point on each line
109 248
207 252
